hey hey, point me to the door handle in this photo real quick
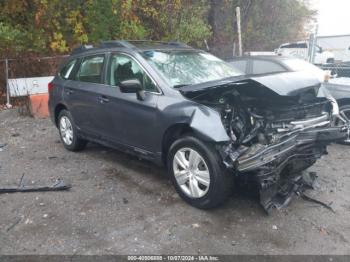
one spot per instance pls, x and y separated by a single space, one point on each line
69 91
103 99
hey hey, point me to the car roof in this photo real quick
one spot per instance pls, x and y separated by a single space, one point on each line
130 45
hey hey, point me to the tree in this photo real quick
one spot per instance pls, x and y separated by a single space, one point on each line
55 26
265 23
175 20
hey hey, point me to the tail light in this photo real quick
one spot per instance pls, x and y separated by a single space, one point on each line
50 86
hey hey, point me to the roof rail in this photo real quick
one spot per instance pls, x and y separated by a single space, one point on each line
81 49
116 43
131 44
179 44
173 43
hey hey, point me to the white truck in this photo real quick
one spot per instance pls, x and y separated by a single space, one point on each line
301 50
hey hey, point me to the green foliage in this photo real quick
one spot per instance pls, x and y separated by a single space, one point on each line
112 19
9 35
56 26
175 20
190 25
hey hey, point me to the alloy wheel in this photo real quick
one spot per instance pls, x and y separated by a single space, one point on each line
191 172
66 130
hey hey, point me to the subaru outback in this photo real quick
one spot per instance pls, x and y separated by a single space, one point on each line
191 112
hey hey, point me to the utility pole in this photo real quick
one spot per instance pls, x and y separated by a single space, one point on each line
238 14
8 104
312 45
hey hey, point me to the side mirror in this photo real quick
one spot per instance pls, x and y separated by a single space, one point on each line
133 86
130 86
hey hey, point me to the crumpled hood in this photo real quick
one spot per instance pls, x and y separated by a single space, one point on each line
283 84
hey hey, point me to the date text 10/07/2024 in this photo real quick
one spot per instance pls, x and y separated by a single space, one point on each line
173 258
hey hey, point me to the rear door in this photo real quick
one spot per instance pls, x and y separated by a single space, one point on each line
83 95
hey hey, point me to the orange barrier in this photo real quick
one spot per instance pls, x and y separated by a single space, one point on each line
39 105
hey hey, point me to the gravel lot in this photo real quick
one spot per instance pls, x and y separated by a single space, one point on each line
120 205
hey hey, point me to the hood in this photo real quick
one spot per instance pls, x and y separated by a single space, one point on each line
283 84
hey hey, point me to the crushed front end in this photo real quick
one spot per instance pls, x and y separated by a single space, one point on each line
278 127
277 167
278 142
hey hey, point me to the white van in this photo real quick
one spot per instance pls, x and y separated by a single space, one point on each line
301 50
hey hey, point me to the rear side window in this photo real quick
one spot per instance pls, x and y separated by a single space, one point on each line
91 69
67 70
240 64
266 67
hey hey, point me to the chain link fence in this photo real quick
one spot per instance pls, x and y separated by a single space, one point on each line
338 69
26 67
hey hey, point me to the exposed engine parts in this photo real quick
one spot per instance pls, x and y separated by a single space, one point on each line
266 124
275 132
275 142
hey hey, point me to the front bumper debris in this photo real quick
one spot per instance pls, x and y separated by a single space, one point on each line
277 168
276 154
273 198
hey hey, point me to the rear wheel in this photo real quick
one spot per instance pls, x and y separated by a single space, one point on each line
198 173
68 132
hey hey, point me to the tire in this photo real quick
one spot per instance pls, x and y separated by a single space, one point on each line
345 113
209 165
70 139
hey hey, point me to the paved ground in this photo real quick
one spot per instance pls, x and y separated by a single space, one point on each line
120 205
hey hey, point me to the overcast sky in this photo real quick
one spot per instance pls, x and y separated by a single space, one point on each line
333 16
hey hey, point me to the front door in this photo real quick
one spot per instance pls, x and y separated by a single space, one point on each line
133 120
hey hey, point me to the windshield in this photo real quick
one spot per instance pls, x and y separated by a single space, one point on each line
301 65
183 68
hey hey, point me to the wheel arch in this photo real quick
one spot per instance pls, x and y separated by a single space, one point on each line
57 111
173 133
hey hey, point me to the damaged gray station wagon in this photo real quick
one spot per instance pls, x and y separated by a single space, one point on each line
195 114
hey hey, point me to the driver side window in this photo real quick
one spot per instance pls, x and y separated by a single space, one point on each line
124 68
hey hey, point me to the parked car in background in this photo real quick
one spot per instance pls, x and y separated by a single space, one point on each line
301 50
338 88
259 65
188 110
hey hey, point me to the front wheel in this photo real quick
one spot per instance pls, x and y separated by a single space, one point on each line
198 174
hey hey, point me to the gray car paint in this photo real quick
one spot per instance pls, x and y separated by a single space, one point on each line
283 84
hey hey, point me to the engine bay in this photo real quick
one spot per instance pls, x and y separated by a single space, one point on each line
250 120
